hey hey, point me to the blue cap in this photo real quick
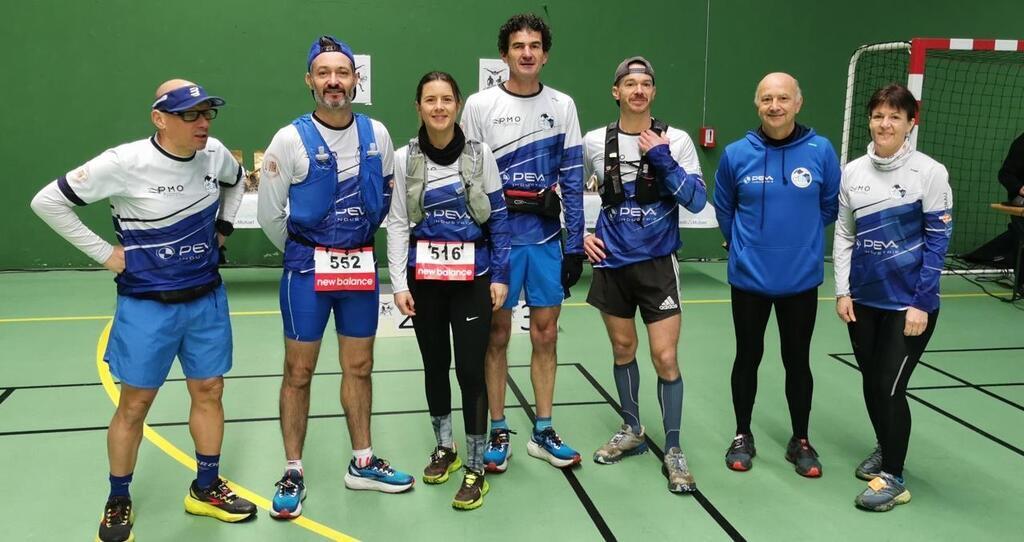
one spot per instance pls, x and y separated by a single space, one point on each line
329 44
184 98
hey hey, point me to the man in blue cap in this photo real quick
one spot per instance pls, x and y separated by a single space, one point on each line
325 188
173 198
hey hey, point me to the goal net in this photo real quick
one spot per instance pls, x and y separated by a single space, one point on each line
971 96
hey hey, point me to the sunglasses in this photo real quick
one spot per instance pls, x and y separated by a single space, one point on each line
193 115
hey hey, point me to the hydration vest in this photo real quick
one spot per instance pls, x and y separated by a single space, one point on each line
611 189
312 201
471 171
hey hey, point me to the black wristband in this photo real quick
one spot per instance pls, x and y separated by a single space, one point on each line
224 227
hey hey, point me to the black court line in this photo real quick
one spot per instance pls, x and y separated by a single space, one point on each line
951 416
948 350
698 495
232 377
570 476
7 393
962 386
948 374
264 419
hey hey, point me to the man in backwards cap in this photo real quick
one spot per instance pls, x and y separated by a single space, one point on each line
645 171
173 197
324 190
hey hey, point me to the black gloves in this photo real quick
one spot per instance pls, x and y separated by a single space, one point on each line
572 268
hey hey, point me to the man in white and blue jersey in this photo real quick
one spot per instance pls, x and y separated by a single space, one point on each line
173 197
325 189
534 133
645 170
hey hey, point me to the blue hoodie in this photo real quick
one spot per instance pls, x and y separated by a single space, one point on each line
772 205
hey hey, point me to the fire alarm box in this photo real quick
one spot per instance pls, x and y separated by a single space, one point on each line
707 137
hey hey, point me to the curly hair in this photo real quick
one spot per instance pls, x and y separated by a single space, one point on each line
524 21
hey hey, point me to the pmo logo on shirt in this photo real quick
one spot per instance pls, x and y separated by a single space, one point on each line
801 177
507 120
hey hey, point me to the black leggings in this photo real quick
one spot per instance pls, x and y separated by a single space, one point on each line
465 307
886 359
795 314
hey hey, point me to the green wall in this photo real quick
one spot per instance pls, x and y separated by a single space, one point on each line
80 75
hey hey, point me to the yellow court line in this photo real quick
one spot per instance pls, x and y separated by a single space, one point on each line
188 461
276 312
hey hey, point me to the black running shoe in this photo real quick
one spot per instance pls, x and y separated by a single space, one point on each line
218 501
116 523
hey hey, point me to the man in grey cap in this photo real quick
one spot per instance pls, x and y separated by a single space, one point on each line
644 170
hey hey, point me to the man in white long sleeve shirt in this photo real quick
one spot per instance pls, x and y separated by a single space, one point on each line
324 192
173 197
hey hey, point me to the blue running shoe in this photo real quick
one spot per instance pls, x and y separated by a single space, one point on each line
291 491
548 446
379 476
498 451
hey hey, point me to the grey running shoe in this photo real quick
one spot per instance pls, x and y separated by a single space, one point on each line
804 457
741 452
623 443
883 493
678 473
870 467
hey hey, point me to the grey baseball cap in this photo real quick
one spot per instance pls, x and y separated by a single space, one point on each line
625 69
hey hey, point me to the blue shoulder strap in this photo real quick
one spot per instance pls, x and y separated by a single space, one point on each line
312 199
371 171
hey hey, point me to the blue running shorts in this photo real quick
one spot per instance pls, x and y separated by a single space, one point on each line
147 335
305 311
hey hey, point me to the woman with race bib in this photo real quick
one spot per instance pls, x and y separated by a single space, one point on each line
448 249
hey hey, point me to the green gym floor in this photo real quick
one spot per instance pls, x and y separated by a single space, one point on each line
965 467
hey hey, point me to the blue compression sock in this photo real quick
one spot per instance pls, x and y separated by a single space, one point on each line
670 397
627 382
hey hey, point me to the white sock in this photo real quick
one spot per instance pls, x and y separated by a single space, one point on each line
363 457
293 464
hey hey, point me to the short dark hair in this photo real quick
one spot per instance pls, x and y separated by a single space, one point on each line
895 96
438 76
524 21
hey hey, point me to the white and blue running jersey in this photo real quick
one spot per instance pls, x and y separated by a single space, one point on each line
536 142
447 218
631 232
892 233
164 210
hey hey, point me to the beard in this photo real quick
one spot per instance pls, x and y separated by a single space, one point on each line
345 101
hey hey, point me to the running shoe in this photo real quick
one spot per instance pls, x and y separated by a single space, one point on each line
884 492
291 491
218 501
548 446
116 523
623 443
443 462
871 467
471 493
680 480
379 476
498 451
800 453
741 452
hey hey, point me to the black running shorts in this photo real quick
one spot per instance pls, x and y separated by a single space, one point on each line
652 285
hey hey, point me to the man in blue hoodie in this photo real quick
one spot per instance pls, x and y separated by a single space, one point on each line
775 192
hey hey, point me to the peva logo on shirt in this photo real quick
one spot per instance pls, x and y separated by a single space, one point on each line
636 212
449 215
758 179
877 245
